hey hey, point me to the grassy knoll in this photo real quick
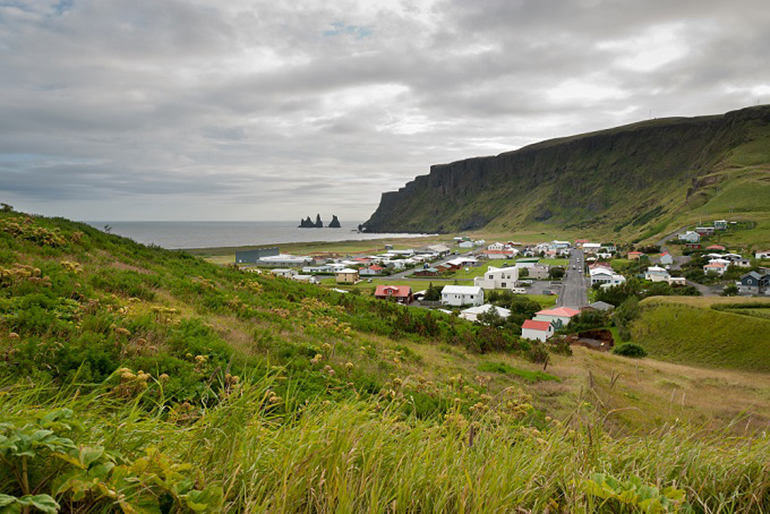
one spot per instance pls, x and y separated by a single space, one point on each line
686 331
169 384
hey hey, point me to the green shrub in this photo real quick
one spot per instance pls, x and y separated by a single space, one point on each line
632 350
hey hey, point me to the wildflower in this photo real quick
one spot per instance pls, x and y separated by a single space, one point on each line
13 335
349 366
163 377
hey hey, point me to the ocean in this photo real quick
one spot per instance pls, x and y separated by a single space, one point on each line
175 235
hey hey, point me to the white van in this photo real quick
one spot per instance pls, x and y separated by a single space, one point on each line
519 290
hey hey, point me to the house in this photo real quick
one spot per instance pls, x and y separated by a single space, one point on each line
705 231
466 244
346 276
539 271
284 272
635 256
426 272
720 224
372 270
472 313
536 330
527 262
764 254
591 247
498 278
656 274
400 294
677 281
462 295
603 276
597 306
692 246
716 248
754 283
560 316
690 237
309 279
580 242
557 245
666 259
716 268
285 260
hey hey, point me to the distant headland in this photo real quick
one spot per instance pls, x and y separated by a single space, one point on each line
318 223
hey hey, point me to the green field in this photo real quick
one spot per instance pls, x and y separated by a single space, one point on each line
686 330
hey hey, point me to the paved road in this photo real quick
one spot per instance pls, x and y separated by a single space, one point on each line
575 289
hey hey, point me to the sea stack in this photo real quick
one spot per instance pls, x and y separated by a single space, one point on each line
318 222
334 223
306 223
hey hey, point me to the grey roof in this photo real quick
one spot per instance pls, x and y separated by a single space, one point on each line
601 306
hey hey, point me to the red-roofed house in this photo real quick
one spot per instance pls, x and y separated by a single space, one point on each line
400 294
717 248
561 315
634 256
539 330
715 267
371 270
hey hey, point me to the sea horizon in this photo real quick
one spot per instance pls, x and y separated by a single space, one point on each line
182 235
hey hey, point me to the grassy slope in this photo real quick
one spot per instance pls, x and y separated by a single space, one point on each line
395 437
686 330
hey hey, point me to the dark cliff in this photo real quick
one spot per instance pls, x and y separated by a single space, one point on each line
642 171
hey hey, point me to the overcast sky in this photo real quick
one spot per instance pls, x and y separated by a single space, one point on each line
258 110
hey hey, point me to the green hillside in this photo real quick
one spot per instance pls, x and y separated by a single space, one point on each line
136 379
631 182
691 331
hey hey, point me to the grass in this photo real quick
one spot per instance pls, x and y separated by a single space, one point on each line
340 403
685 332
364 456
529 376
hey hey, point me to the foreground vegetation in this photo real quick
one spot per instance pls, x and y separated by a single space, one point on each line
141 380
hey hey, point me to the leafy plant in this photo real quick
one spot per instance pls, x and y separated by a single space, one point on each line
634 492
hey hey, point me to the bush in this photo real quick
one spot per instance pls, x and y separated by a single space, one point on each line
632 350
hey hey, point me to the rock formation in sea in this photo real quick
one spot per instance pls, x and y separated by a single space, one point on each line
318 222
334 223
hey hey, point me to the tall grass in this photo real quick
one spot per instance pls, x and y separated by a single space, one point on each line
366 455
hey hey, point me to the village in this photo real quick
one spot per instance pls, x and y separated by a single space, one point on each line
467 277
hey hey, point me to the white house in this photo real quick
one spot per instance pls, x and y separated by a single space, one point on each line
764 254
462 295
714 267
472 313
591 247
656 274
466 244
497 247
310 279
602 275
536 330
690 237
560 316
284 272
666 259
677 281
498 278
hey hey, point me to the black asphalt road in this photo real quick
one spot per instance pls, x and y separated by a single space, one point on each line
574 292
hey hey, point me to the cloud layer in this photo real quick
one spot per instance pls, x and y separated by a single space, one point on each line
247 110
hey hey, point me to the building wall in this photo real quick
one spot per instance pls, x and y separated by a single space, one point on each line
252 256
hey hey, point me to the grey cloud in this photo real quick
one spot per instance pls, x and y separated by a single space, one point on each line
252 107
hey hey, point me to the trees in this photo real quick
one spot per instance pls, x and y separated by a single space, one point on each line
556 273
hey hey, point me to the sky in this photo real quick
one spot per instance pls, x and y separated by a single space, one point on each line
270 110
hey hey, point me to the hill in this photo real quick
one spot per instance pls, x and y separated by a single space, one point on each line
715 332
632 181
138 379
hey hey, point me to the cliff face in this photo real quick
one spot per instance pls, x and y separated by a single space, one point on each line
613 176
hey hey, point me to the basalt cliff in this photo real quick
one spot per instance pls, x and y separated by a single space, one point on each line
635 178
